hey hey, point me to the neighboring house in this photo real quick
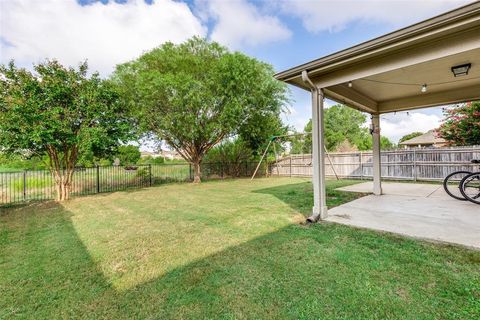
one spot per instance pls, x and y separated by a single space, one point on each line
170 155
426 140
166 154
145 154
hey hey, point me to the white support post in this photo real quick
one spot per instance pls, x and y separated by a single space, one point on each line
318 155
377 168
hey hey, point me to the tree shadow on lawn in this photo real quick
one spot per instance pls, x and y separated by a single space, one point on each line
299 196
322 271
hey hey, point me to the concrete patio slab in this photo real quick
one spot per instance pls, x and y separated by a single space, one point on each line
401 189
415 210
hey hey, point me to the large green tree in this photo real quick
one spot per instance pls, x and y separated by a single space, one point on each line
196 94
342 124
59 112
461 126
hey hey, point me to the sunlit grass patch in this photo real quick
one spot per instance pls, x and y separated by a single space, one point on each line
230 249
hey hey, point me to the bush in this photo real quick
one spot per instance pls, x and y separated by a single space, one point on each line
128 155
151 160
104 162
230 154
143 173
17 162
461 126
172 161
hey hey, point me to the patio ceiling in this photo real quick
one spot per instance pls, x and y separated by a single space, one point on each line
387 73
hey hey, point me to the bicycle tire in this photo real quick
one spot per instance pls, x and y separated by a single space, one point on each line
466 180
446 185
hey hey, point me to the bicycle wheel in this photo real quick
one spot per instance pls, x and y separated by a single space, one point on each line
451 184
470 187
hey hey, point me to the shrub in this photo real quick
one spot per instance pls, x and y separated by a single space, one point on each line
461 126
128 155
151 160
19 163
231 155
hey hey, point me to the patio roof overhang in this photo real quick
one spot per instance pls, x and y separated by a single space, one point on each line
387 73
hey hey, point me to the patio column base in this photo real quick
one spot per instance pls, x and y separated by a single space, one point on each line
318 214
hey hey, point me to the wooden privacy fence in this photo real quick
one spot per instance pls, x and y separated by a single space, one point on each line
408 164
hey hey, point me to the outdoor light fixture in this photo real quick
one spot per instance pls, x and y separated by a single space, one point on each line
461 70
424 88
350 84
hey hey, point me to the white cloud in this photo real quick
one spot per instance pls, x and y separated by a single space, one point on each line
108 34
295 119
239 23
395 126
335 15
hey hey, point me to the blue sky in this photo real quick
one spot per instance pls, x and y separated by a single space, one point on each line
284 33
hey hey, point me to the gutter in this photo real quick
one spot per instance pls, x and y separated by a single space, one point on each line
469 11
308 82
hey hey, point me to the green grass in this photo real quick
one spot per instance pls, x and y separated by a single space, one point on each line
9 169
230 249
39 185
42 182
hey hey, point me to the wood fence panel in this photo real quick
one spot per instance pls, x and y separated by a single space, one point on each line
410 164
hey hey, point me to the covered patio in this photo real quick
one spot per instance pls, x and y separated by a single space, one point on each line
417 210
432 63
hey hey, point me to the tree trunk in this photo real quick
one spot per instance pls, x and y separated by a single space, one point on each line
62 190
66 191
63 182
196 172
62 170
58 187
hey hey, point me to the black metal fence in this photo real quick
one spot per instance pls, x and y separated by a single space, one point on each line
30 185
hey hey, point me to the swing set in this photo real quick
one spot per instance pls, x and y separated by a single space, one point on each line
274 139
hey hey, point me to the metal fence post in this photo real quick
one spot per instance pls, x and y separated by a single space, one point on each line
98 178
432 164
24 184
150 173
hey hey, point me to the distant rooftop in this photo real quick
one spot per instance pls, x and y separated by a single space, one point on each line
428 138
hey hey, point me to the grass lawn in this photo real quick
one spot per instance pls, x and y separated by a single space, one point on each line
221 250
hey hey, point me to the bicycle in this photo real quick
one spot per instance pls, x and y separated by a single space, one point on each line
470 187
456 182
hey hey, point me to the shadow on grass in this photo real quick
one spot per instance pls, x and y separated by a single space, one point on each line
299 196
322 271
